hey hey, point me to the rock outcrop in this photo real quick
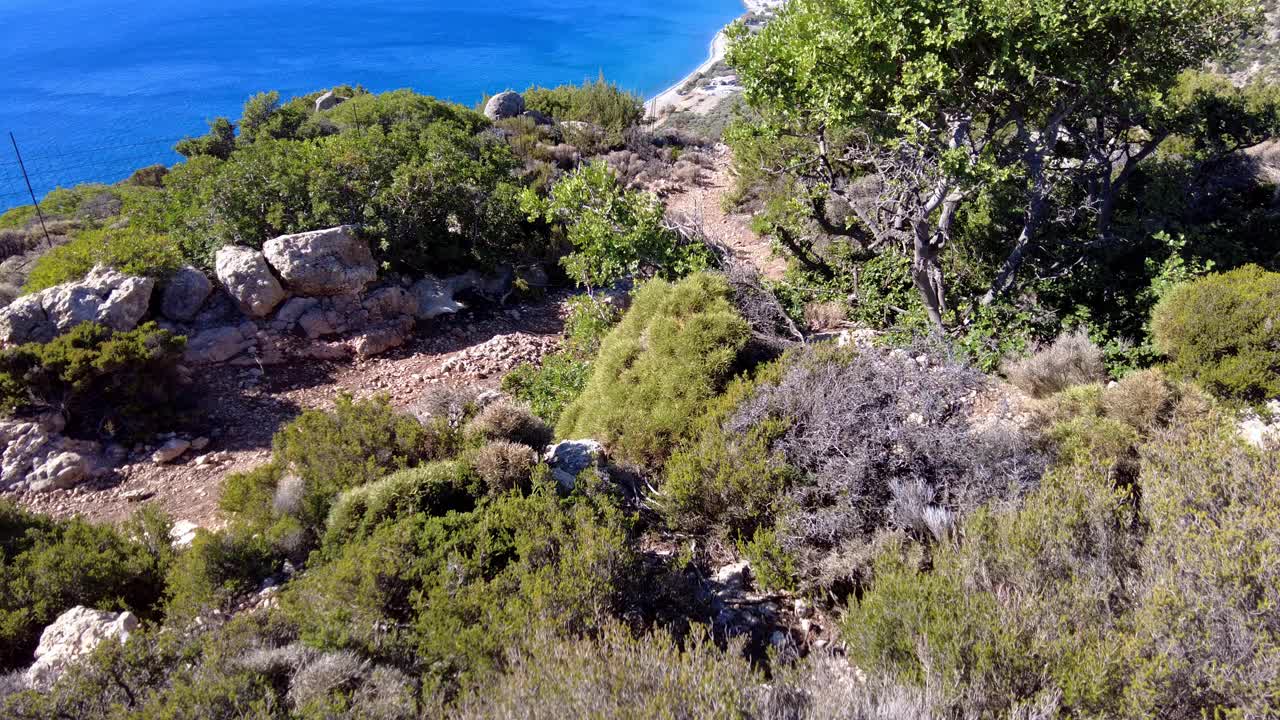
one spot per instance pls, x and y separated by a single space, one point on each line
105 296
570 458
184 294
247 278
504 106
36 458
75 634
323 263
328 101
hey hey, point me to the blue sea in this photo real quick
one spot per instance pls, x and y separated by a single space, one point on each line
93 89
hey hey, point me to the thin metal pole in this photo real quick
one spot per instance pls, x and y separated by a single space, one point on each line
35 202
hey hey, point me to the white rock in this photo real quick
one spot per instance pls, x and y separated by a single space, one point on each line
569 458
183 533
216 345
170 451
61 471
327 262
75 634
504 105
105 296
1259 432
247 278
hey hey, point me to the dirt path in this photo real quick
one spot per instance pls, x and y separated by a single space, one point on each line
246 407
704 207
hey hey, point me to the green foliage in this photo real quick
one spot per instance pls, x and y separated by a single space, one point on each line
675 350
452 594
1222 331
132 251
615 233
317 457
600 103
433 490
47 567
217 569
551 387
106 383
220 142
771 566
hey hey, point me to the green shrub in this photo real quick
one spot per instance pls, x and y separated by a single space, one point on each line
47 567
315 458
128 250
589 322
432 490
600 103
615 233
508 422
216 570
452 594
220 141
1223 332
551 387
107 383
673 352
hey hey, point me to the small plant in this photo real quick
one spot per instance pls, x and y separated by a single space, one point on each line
504 466
551 387
1072 359
505 421
1223 332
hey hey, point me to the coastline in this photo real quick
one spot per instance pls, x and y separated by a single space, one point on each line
672 99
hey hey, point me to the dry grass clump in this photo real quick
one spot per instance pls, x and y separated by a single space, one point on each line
506 421
504 465
1070 360
822 316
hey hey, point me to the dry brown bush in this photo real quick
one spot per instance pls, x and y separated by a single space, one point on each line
507 421
1072 359
822 316
504 465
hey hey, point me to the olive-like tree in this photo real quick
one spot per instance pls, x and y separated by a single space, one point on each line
901 111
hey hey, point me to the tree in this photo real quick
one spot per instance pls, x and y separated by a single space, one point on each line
886 118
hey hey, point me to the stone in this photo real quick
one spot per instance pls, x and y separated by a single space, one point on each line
328 101
1258 431
390 303
199 444
327 351
215 345
247 278
435 298
182 534
378 340
504 106
75 634
60 471
170 451
318 323
734 576
184 294
327 262
137 496
568 459
105 296
537 117
294 309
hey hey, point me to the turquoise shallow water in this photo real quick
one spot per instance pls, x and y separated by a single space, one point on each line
93 89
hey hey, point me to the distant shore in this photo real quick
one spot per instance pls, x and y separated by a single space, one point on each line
672 98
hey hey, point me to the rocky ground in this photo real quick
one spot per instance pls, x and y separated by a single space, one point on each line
246 406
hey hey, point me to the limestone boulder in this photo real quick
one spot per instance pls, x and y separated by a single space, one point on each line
59 471
105 296
434 298
74 635
328 262
248 279
504 105
328 101
35 457
184 294
216 345
570 458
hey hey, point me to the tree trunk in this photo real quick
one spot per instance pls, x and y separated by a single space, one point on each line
926 273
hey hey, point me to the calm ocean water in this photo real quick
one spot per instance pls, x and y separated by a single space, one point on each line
95 88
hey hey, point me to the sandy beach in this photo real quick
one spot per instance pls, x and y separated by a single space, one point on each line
672 99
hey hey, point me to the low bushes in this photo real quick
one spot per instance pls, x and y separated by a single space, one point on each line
131 251
508 422
107 383
47 567
673 352
1223 331
599 103
432 489
1072 359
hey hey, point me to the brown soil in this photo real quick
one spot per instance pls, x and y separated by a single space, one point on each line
703 206
245 407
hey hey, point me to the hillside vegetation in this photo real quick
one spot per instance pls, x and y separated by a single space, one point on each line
978 455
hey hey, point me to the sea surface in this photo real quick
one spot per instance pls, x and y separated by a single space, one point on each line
93 89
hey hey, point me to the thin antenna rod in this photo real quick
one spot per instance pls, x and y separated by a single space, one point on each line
35 202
